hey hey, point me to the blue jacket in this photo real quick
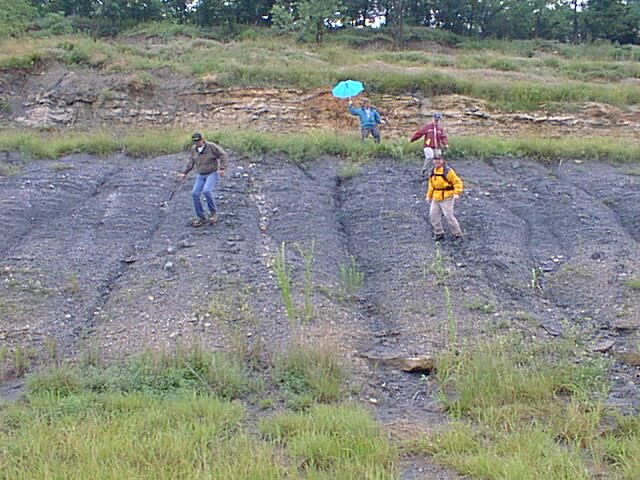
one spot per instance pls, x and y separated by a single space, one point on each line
366 121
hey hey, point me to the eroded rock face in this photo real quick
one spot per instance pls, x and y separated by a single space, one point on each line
59 97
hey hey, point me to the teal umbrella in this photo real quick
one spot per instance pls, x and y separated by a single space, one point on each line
347 88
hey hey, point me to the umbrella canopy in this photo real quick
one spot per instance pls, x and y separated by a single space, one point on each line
347 88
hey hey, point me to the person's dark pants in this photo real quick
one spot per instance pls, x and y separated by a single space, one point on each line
373 131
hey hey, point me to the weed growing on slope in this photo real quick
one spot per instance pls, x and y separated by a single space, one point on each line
308 258
283 280
350 277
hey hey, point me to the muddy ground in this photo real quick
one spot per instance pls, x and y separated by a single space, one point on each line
97 256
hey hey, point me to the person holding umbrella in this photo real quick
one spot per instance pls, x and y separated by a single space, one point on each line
369 119
209 161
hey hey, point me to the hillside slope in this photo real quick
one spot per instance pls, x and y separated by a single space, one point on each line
97 254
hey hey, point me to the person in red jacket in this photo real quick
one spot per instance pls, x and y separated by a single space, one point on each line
435 139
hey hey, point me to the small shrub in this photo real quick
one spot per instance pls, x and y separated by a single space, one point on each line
141 82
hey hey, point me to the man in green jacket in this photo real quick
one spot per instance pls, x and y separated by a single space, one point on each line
209 161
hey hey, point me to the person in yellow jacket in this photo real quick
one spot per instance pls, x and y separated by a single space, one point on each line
444 188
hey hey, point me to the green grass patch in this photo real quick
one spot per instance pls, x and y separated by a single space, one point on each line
309 375
334 441
168 416
153 373
593 148
526 95
526 409
633 284
307 147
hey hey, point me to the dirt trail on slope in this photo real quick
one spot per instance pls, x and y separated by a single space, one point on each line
97 256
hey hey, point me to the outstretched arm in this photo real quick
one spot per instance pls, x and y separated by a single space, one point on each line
419 134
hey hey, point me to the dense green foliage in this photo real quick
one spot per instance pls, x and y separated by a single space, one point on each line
14 16
563 20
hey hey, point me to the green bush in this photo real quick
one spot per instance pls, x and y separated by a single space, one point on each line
53 24
15 17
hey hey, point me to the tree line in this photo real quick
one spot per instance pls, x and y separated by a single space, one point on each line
575 21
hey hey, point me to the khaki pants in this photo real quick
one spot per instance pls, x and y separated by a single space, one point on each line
429 153
437 210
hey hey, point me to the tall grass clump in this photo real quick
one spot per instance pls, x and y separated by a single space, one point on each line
399 81
525 410
115 436
310 375
163 373
350 277
509 370
172 413
301 148
308 257
524 95
283 279
307 147
334 441
52 144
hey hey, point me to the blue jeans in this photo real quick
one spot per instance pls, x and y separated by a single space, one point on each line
205 184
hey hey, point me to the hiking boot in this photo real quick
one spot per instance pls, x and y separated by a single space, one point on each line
213 217
438 237
457 239
198 222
